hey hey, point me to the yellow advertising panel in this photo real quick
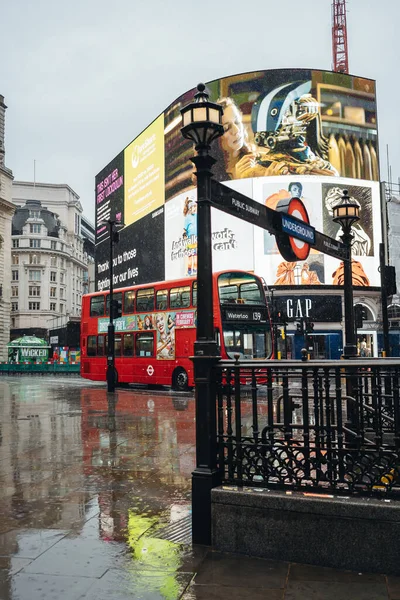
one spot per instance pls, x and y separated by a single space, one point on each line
144 173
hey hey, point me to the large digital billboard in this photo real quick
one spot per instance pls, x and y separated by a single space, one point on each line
287 132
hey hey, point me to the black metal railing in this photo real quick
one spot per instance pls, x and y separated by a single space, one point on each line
317 425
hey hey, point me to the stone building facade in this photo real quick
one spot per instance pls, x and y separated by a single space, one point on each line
6 212
48 259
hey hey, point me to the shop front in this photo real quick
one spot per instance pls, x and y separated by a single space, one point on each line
310 321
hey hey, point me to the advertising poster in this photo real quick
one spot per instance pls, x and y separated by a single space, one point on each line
232 238
109 196
138 256
144 173
319 195
163 323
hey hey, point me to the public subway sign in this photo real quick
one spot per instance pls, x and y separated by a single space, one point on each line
318 308
289 223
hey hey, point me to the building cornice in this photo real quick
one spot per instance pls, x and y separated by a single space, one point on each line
7 172
7 206
58 186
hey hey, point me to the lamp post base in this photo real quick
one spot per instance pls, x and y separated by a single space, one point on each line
203 481
110 377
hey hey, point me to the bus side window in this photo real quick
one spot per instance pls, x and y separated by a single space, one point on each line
127 344
144 344
194 302
162 300
179 297
97 306
145 300
100 345
117 345
129 302
92 345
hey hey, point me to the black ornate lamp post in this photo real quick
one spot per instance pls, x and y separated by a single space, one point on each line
202 124
346 213
113 226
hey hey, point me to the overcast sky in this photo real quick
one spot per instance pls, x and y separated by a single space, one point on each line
82 78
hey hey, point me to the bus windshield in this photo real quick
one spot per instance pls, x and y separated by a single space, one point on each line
245 320
240 288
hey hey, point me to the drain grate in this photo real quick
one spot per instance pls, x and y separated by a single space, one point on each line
179 531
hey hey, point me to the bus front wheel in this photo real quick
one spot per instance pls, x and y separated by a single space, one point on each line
180 380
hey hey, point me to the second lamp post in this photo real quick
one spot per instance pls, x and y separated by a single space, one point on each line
346 213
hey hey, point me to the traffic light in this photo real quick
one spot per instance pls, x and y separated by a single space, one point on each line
309 325
389 279
361 315
117 309
300 327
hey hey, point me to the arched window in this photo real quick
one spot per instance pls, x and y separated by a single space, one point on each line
394 311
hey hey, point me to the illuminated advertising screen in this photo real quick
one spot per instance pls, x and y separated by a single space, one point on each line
287 132
109 196
144 173
319 195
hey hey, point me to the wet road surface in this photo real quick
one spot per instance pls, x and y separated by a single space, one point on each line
95 504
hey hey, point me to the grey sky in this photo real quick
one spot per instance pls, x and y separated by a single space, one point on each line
82 78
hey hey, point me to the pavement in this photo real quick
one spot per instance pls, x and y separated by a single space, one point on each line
95 505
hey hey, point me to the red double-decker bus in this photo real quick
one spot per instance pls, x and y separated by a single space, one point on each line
155 334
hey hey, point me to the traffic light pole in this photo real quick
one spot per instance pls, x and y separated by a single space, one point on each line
385 319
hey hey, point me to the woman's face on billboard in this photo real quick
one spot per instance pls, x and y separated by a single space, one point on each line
233 138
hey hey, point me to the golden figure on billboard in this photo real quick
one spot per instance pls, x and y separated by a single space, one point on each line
358 274
287 124
293 273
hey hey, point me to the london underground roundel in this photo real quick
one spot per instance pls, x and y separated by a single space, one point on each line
294 248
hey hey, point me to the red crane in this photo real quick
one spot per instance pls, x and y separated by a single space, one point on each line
339 37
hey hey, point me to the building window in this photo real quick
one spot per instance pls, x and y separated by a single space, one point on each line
34 228
14 306
34 305
77 224
34 290
53 261
53 276
15 259
53 245
61 293
53 306
53 292
15 243
62 308
61 277
14 290
33 259
34 243
34 214
34 275
62 263
14 275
